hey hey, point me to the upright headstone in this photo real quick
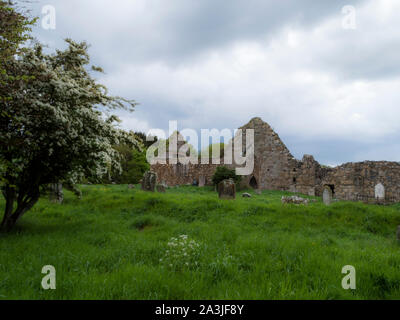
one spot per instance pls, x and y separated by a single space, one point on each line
327 196
227 189
161 188
149 181
56 193
379 191
202 181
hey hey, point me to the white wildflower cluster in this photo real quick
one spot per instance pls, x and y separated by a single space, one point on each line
181 253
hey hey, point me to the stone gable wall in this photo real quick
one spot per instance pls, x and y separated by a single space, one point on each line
273 161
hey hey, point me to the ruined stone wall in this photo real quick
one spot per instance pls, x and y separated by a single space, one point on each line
307 176
183 174
273 162
353 181
180 174
274 166
276 169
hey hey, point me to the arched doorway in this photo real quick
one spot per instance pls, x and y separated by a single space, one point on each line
253 183
332 187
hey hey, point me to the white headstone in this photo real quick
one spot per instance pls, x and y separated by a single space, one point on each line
327 196
380 191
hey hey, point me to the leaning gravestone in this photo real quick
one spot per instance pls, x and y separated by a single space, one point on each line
379 191
327 196
149 181
227 189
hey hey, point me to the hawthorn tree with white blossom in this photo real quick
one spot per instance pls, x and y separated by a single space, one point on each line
55 124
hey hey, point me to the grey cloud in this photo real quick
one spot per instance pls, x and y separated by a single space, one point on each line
178 30
179 59
339 151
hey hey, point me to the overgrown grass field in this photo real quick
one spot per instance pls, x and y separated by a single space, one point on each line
117 243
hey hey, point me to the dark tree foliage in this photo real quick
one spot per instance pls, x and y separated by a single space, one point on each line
143 138
14 31
133 165
222 173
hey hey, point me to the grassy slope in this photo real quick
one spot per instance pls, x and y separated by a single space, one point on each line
108 246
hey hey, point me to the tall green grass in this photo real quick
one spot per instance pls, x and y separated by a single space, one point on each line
109 245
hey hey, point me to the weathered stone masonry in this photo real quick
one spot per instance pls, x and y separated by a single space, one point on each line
276 169
357 181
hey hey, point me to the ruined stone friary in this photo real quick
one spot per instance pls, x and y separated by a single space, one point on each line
276 169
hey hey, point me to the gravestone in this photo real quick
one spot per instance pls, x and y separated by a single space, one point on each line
379 191
227 189
56 193
327 196
149 181
161 188
202 181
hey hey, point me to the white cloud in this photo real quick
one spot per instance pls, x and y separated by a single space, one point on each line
134 124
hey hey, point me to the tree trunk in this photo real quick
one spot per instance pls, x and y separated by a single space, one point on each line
7 224
9 195
25 203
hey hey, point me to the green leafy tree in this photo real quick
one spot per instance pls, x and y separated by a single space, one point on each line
14 31
222 173
133 164
143 137
57 126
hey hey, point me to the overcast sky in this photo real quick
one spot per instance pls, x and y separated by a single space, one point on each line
327 90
